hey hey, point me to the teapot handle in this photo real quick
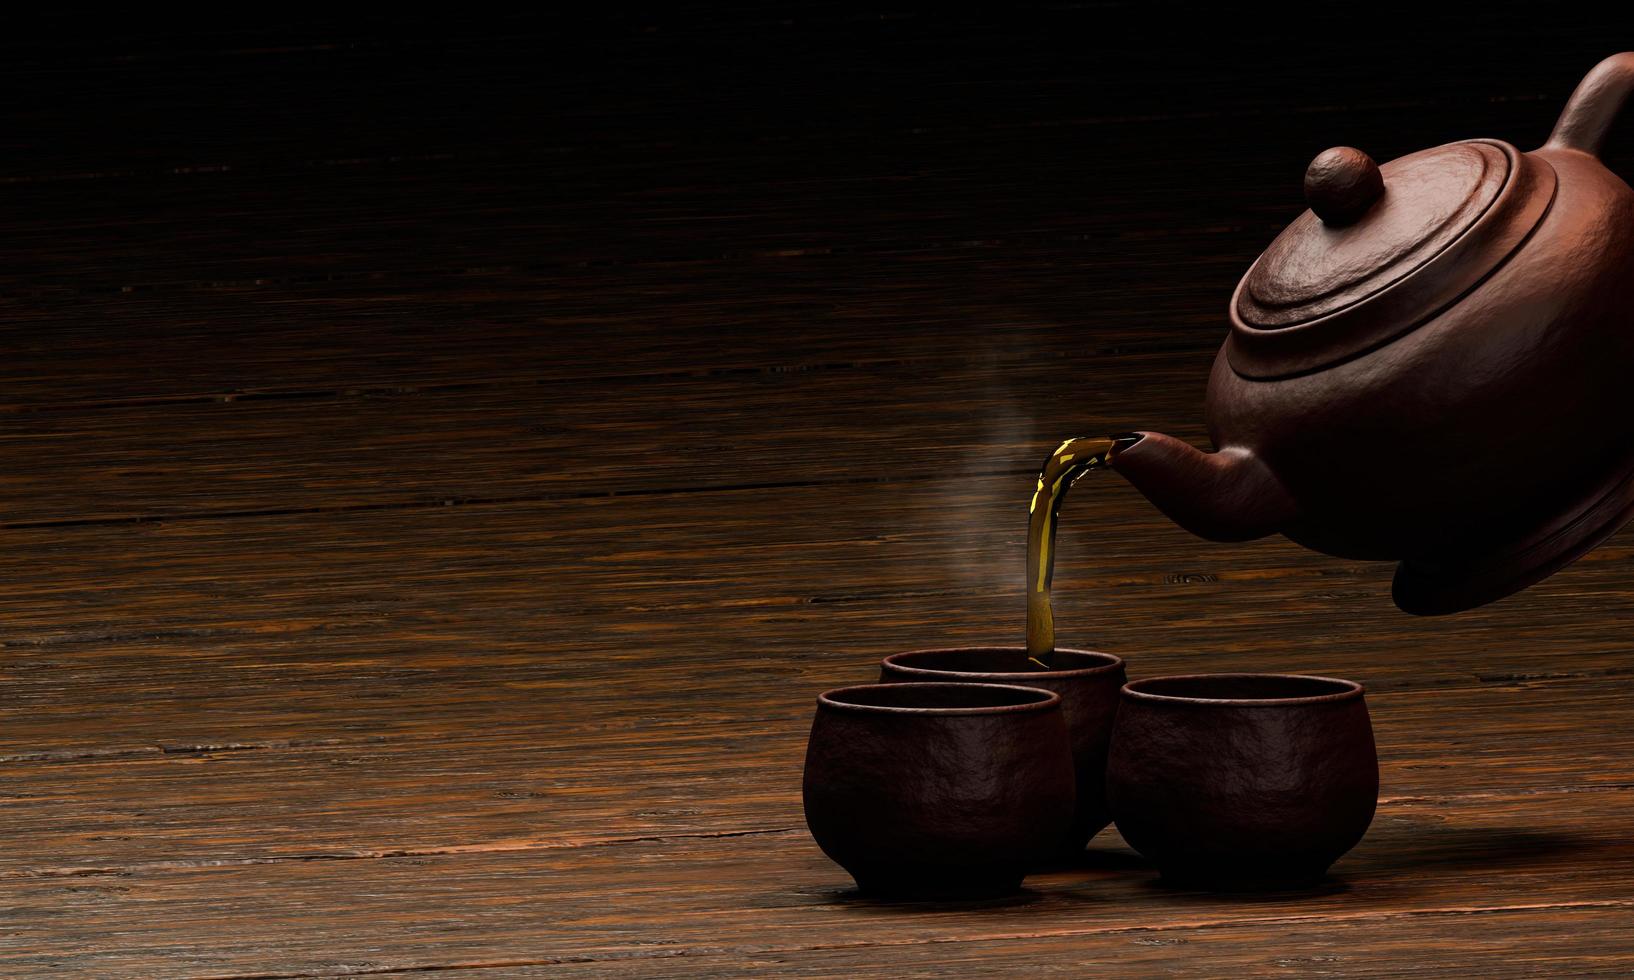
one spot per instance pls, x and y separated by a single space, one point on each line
1594 104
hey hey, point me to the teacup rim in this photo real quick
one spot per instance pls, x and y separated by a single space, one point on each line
1351 690
1049 701
1002 676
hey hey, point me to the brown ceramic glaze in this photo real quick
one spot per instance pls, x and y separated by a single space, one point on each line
1242 781
1088 683
1429 366
938 790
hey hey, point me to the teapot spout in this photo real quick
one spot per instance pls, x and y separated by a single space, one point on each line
1229 495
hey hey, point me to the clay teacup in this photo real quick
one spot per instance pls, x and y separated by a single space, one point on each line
1088 684
1242 781
938 790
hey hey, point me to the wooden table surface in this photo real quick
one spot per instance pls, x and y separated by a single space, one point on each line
443 463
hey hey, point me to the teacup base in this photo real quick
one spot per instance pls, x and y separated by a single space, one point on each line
936 883
1301 878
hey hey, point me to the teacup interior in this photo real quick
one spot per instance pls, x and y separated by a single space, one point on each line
997 660
1242 687
937 696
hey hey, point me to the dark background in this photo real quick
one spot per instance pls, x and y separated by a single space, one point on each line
237 152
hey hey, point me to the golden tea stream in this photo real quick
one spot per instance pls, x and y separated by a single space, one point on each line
1070 461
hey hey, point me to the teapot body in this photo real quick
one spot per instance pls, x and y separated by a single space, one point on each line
1433 365
1476 431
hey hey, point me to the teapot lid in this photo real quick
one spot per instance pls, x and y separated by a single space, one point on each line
1382 249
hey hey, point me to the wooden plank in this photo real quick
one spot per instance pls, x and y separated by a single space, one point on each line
821 549
489 773
495 327
763 894
1581 939
122 639
510 324
564 440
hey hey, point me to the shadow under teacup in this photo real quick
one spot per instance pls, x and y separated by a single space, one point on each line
1243 781
938 790
1088 683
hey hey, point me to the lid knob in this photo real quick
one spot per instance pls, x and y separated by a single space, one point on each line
1341 184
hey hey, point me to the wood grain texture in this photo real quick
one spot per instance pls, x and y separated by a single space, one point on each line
455 788
753 893
444 461
1526 941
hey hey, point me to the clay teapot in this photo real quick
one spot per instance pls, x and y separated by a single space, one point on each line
1433 365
